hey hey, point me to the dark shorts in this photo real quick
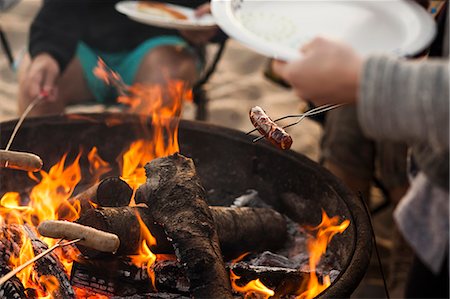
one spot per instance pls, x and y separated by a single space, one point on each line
345 145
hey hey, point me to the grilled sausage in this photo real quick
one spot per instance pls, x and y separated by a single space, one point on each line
91 237
270 130
20 160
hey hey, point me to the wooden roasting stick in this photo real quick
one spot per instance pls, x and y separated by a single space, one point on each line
175 199
20 160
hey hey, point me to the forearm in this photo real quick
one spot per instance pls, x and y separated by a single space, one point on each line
56 30
405 101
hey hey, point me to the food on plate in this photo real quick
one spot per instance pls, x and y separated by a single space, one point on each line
160 9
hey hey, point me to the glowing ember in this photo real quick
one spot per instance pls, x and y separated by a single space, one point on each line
317 247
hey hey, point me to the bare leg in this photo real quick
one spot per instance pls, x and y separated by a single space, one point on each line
72 89
167 62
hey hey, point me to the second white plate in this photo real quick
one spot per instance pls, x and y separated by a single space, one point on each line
279 28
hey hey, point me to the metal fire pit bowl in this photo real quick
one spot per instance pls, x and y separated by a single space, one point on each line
228 164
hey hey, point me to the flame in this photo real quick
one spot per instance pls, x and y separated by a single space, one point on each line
317 247
253 288
55 187
145 256
52 190
97 166
163 103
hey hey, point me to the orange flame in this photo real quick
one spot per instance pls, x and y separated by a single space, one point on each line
317 247
51 191
254 287
97 166
145 257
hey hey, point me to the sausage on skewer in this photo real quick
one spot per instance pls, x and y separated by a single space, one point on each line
20 160
270 130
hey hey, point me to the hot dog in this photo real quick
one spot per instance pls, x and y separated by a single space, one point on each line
91 237
270 130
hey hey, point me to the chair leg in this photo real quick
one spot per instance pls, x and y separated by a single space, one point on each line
201 101
6 48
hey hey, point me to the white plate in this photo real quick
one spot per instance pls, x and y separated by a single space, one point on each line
130 8
279 28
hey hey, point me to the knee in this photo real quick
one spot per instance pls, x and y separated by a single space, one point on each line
167 63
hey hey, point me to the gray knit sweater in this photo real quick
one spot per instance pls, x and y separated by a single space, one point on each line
409 102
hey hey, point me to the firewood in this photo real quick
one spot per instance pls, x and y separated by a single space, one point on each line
50 265
109 192
240 230
20 160
13 288
123 222
90 237
175 199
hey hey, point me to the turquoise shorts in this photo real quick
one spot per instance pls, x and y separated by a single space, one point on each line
125 63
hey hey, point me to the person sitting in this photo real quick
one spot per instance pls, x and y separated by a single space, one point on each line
401 101
67 37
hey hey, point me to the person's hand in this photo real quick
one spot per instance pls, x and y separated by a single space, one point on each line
200 37
327 73
41 76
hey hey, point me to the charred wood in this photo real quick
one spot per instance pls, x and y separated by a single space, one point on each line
283 281
175 198
123 222
13 288
50 265
109 192
240 230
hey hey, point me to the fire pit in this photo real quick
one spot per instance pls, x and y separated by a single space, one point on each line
228 164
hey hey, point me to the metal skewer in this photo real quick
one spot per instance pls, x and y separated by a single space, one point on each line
36 258
301 116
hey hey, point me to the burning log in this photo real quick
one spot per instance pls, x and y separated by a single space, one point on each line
109 192
20 160
50 265
13 288
239 229
175 199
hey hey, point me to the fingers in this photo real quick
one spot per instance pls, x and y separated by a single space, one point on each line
279 67
41 77
203 10
49 84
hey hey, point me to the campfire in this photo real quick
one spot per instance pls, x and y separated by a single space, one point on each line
186 222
